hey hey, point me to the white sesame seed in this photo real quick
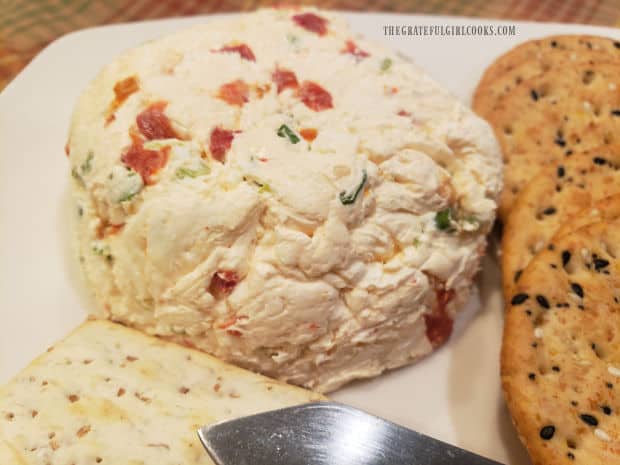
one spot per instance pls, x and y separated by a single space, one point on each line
612 86
573 56
614 370
538 333
587 106
602 435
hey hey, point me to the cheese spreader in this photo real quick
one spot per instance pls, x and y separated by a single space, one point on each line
326 433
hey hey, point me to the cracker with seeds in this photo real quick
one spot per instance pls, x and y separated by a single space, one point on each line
537 56
112 395
606 209
553 197
553 115
560 363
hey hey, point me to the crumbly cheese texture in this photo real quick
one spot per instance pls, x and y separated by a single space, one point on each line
109 394
283 194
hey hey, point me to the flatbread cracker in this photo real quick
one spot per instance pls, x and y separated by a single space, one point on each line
112 395
560 363
537 56
553 197
552 116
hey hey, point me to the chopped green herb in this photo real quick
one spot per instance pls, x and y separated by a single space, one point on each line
350 198
103 250
386 64
264 188
88 163
80 211
443 219
184 172
416 242
129 195
293 39
128 183
285 131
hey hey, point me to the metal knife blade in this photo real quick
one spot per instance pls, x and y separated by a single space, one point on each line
326 433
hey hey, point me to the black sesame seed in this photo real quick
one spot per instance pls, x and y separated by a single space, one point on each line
571 456
606 409
609 385
554 43
528 312
617 44
517 275
549 211
574 403
565 257
534 95
561 171
581 307
542 301
534 344
559 141
532 376
518 299
615 112
599 160
551 247
600 263
554 266
568 153
589 419
577 289
555 368
547 432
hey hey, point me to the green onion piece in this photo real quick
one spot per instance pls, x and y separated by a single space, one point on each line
443 219
184 172
263 189
350 198
293 39
130 194
386 64
103 251
416 242
88 163
285 131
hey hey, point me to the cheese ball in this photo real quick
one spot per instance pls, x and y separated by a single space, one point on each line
276 191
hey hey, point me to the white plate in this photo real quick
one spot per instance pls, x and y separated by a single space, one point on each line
453 395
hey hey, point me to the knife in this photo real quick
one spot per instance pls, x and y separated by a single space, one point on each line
326 433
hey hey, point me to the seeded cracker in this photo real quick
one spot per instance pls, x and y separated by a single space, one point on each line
607 209
560 365
556 195
575 108
537 56
110 395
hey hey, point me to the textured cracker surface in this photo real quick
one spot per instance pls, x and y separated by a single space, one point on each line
554 197
560 361
111 395
531 58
